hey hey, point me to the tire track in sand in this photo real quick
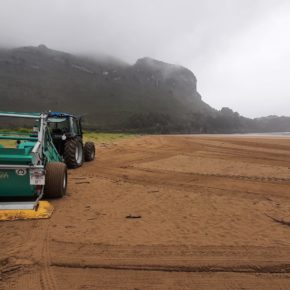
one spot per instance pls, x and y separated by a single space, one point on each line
47 279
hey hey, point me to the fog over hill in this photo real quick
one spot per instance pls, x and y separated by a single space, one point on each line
148 96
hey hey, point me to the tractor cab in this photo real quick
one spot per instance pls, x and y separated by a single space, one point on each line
62 123
67 135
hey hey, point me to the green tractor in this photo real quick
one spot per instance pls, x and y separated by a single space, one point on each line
67 136
32 167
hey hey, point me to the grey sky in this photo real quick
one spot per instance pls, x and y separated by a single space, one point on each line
238 49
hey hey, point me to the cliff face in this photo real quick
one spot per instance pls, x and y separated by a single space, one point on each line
149 96
112 94
175 80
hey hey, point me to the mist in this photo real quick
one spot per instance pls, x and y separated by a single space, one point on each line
238 49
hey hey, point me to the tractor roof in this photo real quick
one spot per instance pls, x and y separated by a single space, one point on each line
59 115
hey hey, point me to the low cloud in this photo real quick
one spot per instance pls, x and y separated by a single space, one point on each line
238 49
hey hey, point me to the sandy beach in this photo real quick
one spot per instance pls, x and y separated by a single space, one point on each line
162 212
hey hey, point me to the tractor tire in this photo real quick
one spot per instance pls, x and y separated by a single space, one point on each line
55 180
73 153
89 151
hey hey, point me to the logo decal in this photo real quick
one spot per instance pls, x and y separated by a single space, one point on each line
21 172
4 175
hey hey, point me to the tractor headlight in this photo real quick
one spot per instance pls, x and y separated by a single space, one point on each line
63 137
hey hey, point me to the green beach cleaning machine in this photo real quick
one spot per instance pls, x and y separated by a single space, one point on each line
30 168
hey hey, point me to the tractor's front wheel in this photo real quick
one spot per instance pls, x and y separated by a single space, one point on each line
89 151
55 179
73 153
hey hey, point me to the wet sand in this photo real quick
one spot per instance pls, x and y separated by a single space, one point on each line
162 212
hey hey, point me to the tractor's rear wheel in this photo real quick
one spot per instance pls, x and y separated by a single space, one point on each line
55 179
89 151
73 153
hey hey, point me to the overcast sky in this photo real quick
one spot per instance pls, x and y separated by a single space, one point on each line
239 50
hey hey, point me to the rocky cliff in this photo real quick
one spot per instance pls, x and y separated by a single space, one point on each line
112 94
149 96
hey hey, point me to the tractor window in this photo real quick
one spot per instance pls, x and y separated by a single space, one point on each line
76 126
59 126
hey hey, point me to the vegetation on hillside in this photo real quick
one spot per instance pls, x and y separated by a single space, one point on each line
97 138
